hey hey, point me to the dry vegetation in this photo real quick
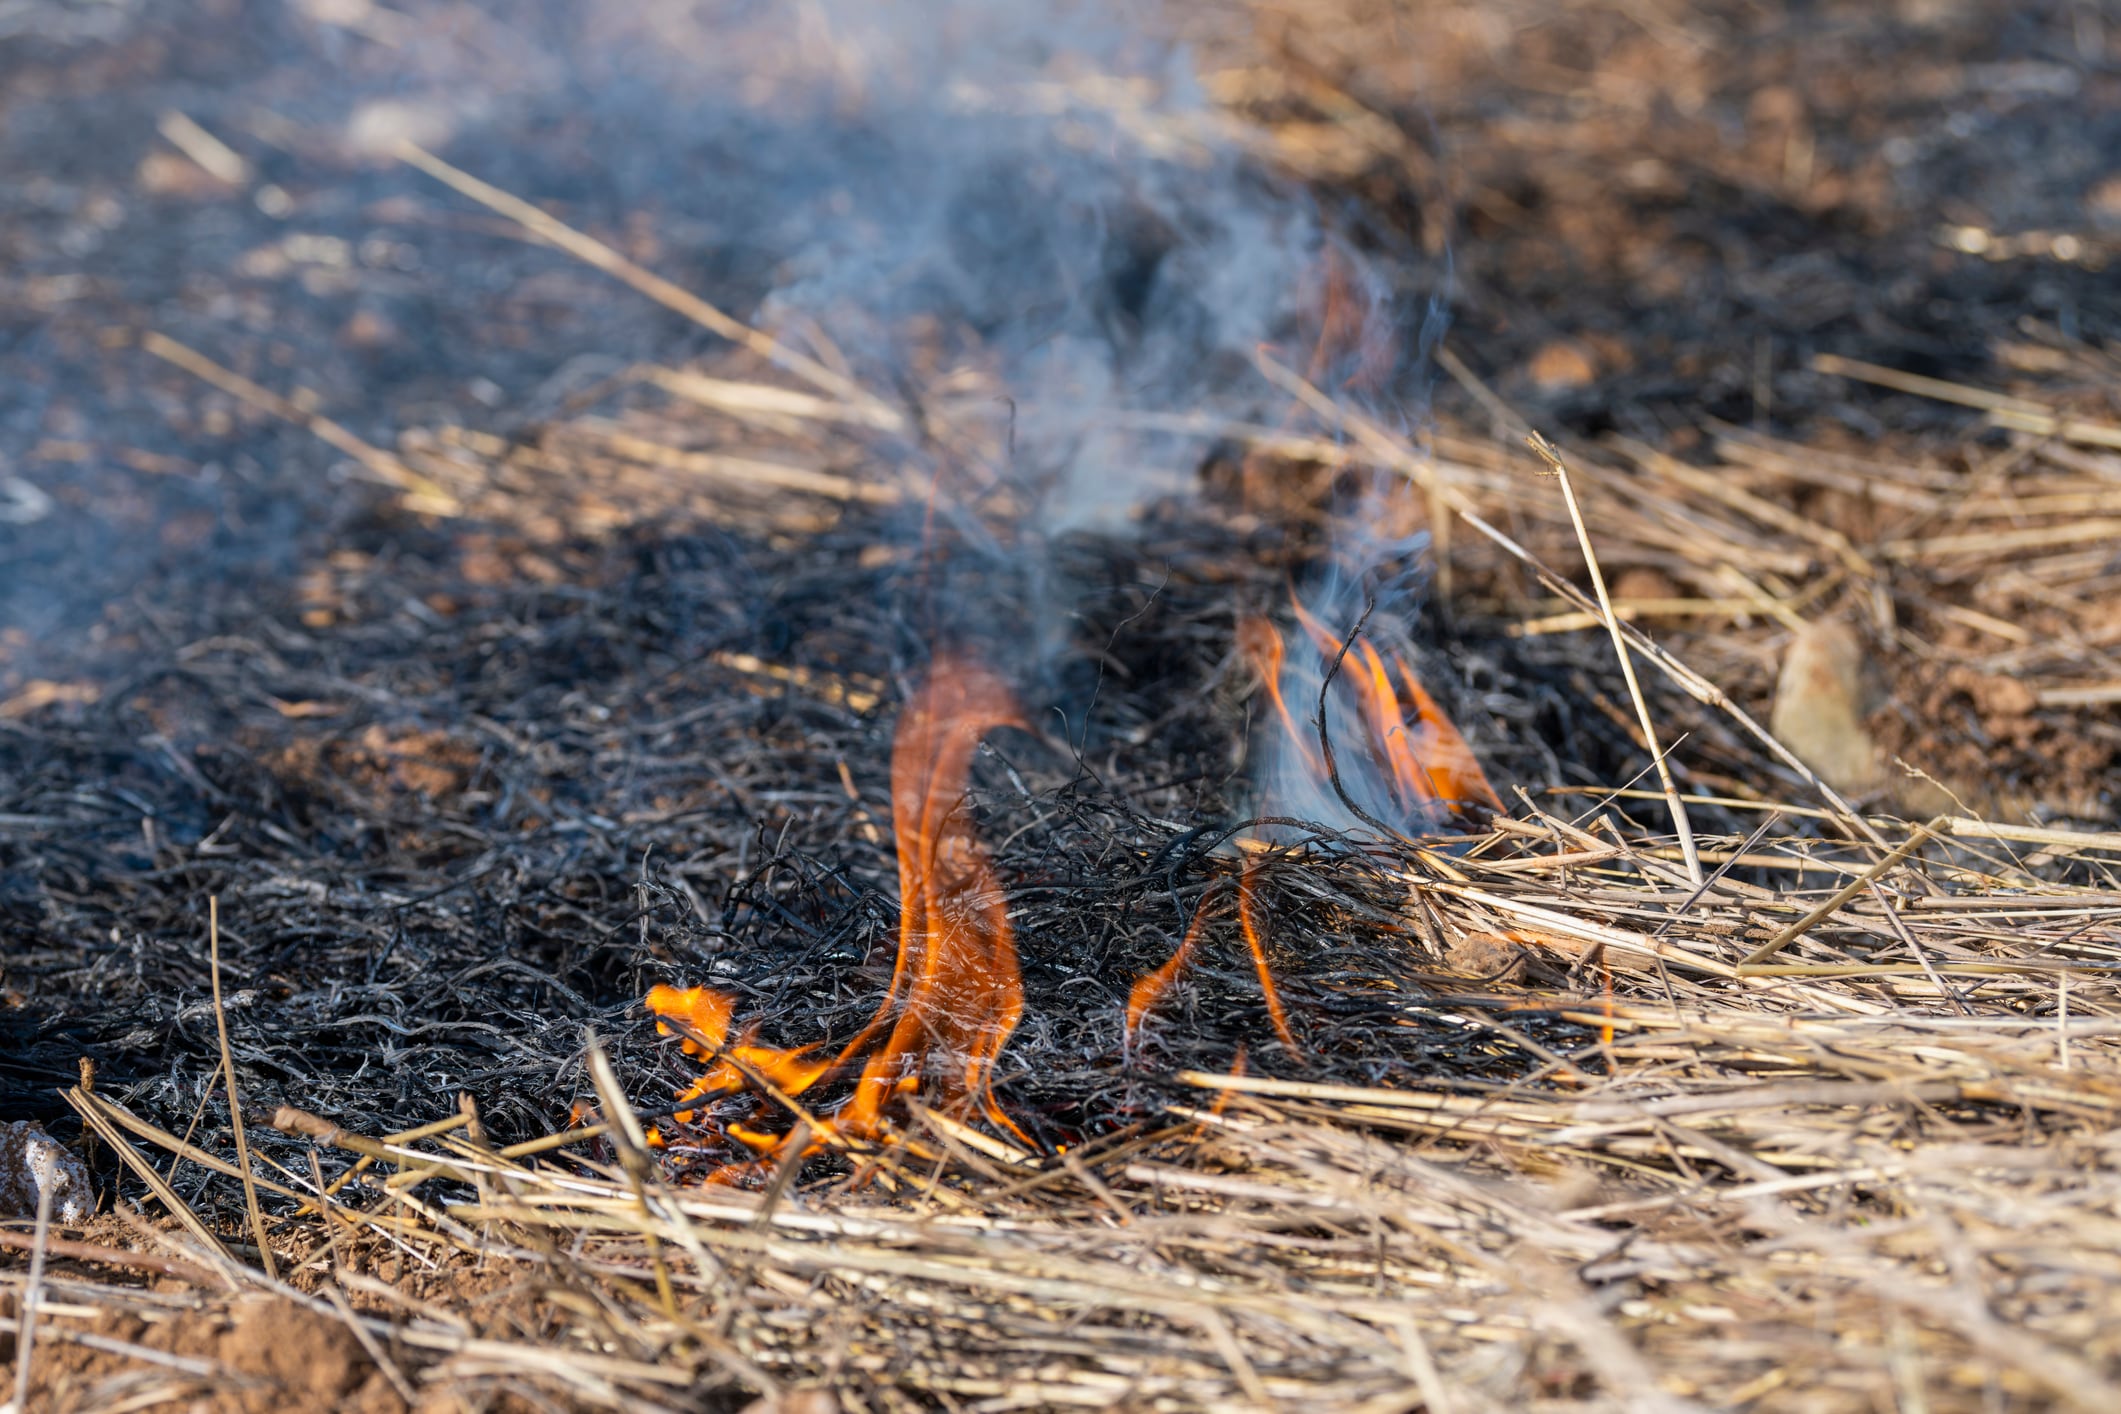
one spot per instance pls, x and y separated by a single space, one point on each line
1808 1103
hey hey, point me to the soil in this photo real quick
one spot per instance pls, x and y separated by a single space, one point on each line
268 1356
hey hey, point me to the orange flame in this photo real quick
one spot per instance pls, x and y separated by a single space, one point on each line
1425 757
1261 643
1151 987
1255 941
1407 736
956 993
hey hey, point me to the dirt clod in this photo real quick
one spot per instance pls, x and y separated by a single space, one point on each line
270 1356
1560 366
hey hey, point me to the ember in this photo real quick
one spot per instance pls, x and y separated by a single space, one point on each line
955 992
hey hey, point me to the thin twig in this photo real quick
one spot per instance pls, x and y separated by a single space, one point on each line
591 251
421 494
1680 822
26 1332
1855 886
235 1104
109 1257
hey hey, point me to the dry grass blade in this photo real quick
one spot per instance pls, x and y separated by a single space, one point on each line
2004 410
421 493
289 1120
32 1293
91 1109
594 252
633 1154
214 156
1855 886
108 1256
750 471
235 1104
1680 822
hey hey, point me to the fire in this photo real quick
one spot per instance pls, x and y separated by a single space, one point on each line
1406 740
956 992
1410 743
1261 643
1248 921
1152 987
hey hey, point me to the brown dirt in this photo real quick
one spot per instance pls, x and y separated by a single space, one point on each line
1987 743
270 1357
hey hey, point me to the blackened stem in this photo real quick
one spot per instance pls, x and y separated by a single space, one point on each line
1325 737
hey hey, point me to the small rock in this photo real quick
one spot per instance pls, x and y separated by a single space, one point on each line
33 1163
1776 106
796 1401
1560 366
173 175
1638 583
368 329
1999 700
1819 707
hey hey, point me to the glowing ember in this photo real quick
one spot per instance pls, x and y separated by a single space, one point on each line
955 994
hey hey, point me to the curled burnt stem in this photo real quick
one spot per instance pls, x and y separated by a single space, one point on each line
1325 735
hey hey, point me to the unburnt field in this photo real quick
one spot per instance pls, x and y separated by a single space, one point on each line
451 587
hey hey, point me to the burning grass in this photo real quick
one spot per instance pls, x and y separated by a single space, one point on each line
1065 1060
955 993
1516 1116
1879 1167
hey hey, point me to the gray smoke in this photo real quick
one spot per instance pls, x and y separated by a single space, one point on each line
1041 192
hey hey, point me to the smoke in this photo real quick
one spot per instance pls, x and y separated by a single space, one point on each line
1023 215
1026 216
1039 193
1039 202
